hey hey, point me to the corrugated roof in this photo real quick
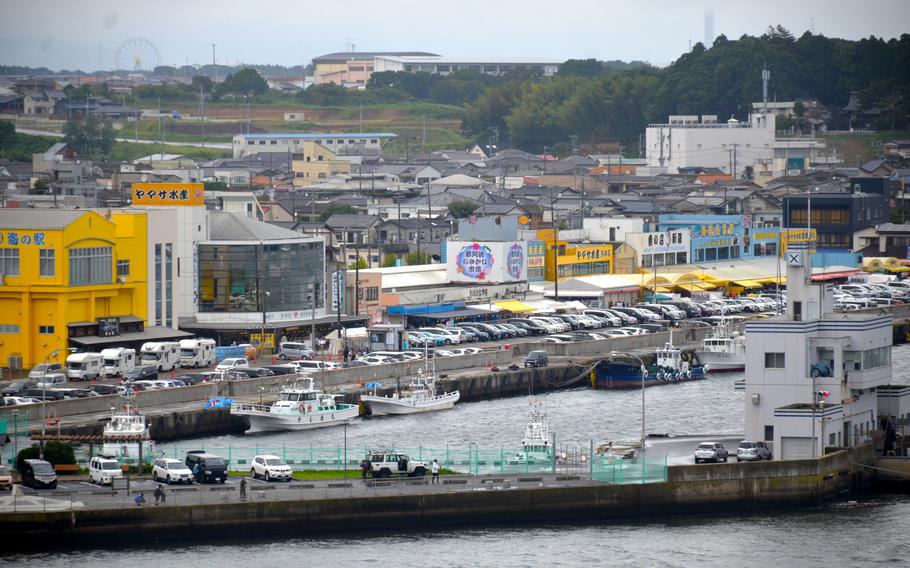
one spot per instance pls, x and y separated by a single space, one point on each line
23 219
234 227
317 135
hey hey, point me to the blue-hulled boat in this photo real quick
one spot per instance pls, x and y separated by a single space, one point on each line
670 366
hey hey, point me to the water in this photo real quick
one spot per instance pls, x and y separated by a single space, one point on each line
865 533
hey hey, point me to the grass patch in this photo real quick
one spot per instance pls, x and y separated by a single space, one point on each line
855 148
129 151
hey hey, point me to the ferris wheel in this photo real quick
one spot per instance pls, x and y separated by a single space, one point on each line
137 54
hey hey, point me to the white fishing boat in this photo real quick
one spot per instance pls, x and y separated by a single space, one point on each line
419 396
127 434
299 407
535 445
723 349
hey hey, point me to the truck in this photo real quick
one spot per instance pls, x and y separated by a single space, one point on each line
84 366
387 464
197 353
165 355
117 360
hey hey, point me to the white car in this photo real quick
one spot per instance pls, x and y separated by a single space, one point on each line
19 400
104 471
470 350
411 355
171 471
270 467
232 363
375 360
448 352
557 339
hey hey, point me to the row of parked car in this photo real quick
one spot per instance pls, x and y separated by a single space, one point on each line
858 296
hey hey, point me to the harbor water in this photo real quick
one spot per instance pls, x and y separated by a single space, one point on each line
806 537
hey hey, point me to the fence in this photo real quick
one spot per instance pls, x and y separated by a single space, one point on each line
640 469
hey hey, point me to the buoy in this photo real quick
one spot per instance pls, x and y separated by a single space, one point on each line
301 407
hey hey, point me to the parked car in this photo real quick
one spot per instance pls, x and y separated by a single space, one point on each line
280 369
212 468
710 452
294 350
14 388
38 474
6 480
51 380
478 333
38 371
104 389
537 359
104 471
533 327
753 451
232 363
269 468
142 373
171 471
385 464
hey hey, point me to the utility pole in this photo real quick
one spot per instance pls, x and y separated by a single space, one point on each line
734 160
555 246
202 112
214 71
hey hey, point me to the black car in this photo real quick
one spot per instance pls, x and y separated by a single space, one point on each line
188 379
104 389
142 373
253 372
16 387
571 321
38 474
531 325
692 310
206 468
493 332
537 359
478 333
42 394
280 369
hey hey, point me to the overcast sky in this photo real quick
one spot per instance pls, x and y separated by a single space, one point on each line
85 34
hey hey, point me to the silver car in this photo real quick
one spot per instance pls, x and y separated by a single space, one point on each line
710 452
753 451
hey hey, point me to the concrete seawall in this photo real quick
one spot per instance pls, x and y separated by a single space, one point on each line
689 489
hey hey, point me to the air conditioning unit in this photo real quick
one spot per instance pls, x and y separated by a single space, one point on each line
121 279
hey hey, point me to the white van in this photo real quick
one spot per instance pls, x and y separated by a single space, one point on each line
294 350
312 366
165 355
197 353
117 360
453 335
84 366
104 471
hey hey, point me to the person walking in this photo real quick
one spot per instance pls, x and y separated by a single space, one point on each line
197 472
434 467
157 495
140 499
163 494
364 467
243 489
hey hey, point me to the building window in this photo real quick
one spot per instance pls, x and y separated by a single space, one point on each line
372 294
9 262
123 268
273 142
90 266
47 264
158 277
46 329
880 357
168 284
9 328
774 360
769 433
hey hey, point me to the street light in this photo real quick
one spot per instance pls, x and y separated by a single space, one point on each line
615 354
49 356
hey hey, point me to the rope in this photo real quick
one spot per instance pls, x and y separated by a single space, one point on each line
584 374
867 466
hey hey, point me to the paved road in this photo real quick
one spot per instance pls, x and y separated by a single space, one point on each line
219 145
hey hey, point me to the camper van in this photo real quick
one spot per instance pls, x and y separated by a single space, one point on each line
197 353
117 360
84 366
165 355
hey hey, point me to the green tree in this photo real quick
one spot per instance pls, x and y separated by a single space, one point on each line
421 257
360 263
333 208
389 260
91 137
461 208
581 68
41 186
215 186
54 452
203 82
246 82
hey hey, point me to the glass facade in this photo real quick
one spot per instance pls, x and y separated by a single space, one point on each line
240 278
168 284
158 277
94 265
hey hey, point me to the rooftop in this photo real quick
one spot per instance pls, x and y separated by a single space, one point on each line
25 219
317 135
231 227
359 55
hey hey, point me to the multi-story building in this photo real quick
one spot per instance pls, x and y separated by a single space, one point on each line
353 69
438 65
341 143
792 360
836 216
314 163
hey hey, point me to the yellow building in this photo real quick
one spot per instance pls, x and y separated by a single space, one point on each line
313 163
68 273
578 260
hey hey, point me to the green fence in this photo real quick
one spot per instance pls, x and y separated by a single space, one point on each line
614 469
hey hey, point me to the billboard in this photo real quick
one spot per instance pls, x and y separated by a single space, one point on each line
675 240
486 261
158 194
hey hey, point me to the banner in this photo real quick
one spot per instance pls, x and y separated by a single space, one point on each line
158 194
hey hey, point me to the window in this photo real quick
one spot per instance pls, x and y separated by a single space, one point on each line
91 266
123 268
250 142
47 266
774 361
372 293
9 328
168 284
769 432
158 278
46 329
873 358
273 142
9 262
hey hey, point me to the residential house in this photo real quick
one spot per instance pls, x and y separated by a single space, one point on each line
315 163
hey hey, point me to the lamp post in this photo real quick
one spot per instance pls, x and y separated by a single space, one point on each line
49 356
15 435
345 456
643 374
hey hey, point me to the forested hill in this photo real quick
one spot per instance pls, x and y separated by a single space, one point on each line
599 103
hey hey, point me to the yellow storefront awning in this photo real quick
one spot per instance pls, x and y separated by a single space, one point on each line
514 306
748 283
697 286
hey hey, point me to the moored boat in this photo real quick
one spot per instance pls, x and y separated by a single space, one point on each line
127 434
723 349
299 407
419 396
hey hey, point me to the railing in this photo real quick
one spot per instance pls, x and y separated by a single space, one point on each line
614 469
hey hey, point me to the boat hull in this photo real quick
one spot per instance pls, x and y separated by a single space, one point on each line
270 422
720 361
623 375
388 405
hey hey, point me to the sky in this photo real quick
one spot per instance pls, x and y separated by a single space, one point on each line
86 34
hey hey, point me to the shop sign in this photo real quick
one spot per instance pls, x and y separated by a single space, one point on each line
475 261
16 238
478 293
535 261
108 327
515 261
714 230
587 254
168 194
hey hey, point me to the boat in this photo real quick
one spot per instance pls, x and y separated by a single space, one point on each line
670 367
723 349
300 406
419 396
127 434
535 445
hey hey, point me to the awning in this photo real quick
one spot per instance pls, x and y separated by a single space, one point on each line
696 286
514 306
541 306
453 314
748 283
489 308
834 275
154 333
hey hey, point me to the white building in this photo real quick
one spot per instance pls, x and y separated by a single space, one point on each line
788 357
687 141
445 65
285 142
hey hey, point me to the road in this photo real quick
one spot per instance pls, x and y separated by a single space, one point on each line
218 145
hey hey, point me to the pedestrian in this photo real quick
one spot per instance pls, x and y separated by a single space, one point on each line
157 495
140 499
435 469
197 472
163 495
243 489
364 467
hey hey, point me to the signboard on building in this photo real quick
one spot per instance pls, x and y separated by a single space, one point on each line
337 290
168 194
676 240
108 327
486 261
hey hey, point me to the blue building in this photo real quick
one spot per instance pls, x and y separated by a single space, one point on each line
713 237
